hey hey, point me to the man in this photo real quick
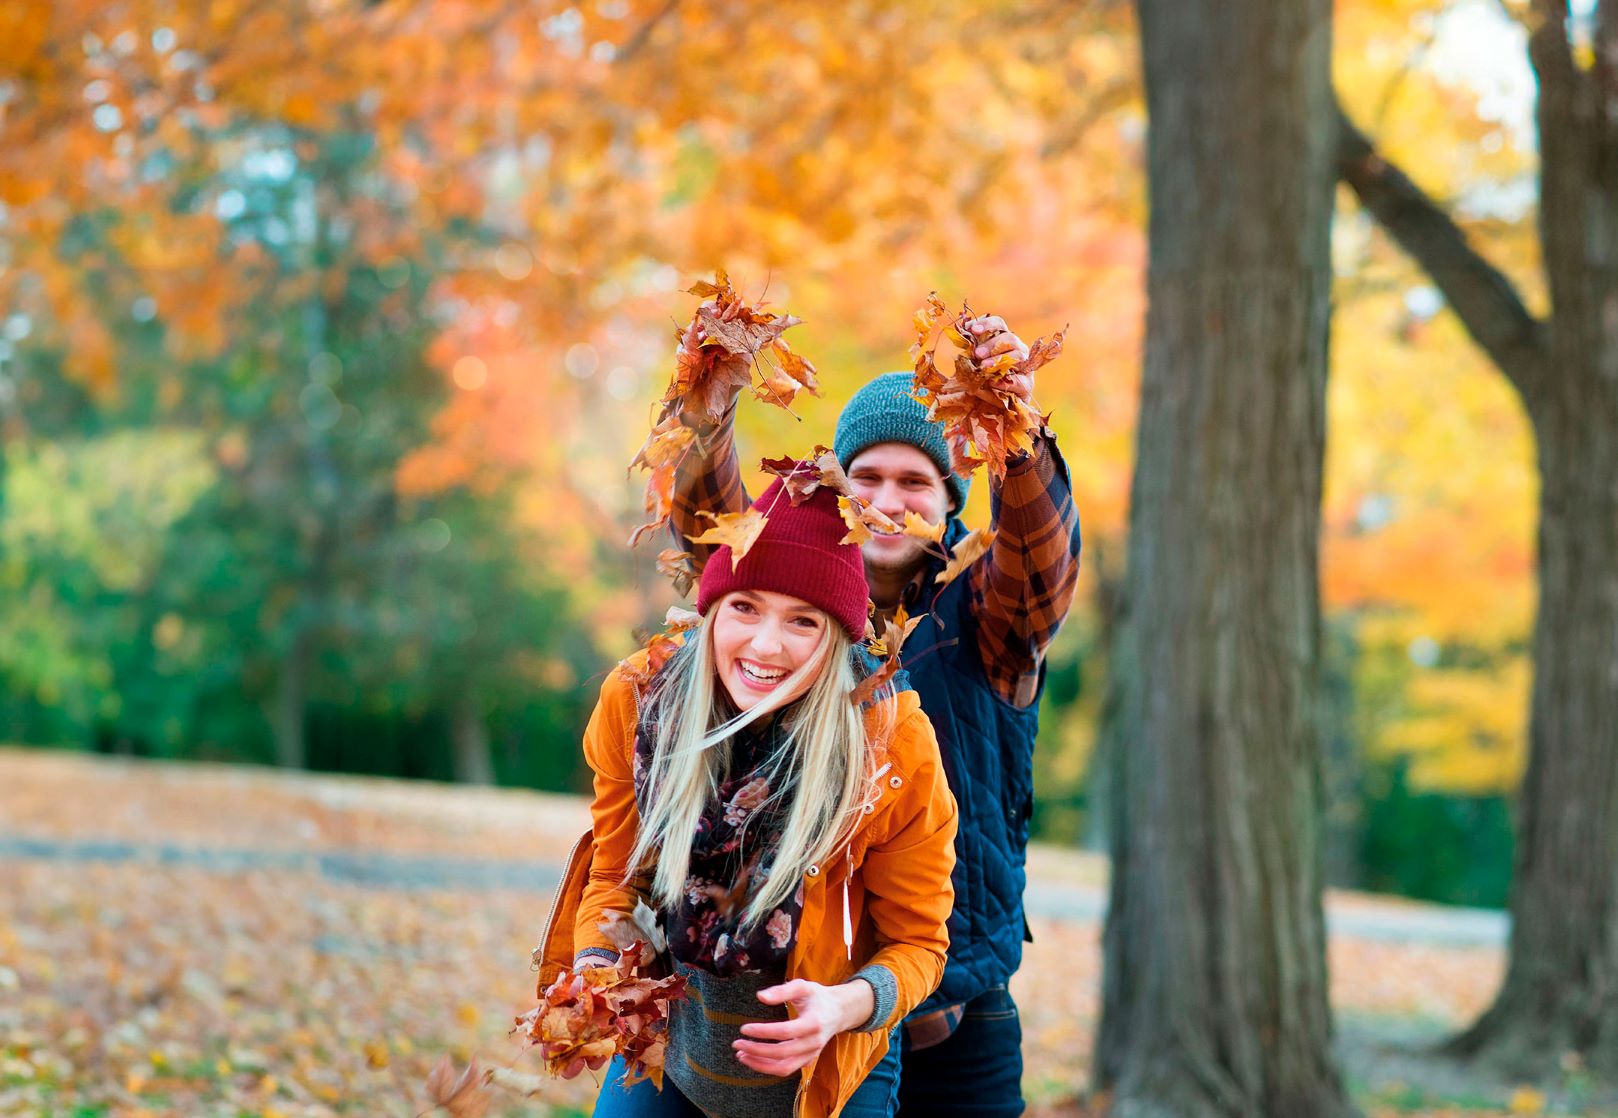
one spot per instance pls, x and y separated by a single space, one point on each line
976 659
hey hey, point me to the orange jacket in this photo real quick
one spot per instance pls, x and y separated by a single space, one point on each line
898 893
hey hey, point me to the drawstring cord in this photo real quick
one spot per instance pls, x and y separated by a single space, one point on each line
848 916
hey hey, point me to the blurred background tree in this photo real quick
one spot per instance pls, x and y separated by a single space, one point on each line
1560 998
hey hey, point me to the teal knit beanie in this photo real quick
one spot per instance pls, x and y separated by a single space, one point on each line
884 412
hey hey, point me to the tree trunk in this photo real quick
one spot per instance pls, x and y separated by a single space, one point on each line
1561 990
1215 999
473 763
291 700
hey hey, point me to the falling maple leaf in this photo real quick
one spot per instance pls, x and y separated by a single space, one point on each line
985 421
738 531
895 631
963 554
661 454
680 567
462 1096
800 477
790 374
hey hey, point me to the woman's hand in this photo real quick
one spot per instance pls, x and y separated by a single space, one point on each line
820 1013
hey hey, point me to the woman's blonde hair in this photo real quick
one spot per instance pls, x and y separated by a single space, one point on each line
820 775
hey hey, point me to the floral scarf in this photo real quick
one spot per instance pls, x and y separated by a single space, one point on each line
730 857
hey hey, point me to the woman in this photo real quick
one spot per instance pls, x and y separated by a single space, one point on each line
797 846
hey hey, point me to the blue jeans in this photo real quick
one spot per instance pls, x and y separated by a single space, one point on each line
877 1097
976 1073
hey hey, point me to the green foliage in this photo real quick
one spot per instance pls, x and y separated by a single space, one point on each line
1433 845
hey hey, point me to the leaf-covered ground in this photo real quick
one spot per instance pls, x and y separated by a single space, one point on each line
172 944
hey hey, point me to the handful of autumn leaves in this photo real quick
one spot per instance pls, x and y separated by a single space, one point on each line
584 1018
985 419
727 341
588 1016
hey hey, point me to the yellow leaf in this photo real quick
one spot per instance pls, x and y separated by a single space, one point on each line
738 531
916 525
376 1054
858 533
971 547
467 1013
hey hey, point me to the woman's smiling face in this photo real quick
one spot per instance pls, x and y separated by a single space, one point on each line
760 638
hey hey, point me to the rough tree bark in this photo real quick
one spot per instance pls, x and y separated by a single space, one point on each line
1215 997
1561 989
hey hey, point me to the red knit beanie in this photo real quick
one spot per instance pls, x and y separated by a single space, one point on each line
797 553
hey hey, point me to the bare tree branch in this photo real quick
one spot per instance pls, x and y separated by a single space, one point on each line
638 40
1488 304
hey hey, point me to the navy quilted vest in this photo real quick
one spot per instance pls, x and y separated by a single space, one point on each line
988 750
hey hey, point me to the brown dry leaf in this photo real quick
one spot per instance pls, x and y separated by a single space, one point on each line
463 1096
678 566
895 630
714 360
800 477
738 531
661 454
659 503
868 687
916 525
790 374
666 445
726 339
965 553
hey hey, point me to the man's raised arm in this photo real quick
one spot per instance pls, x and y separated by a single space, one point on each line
1023 588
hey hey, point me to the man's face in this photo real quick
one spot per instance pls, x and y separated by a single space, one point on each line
896 478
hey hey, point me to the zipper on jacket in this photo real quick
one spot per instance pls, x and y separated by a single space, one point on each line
538 954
